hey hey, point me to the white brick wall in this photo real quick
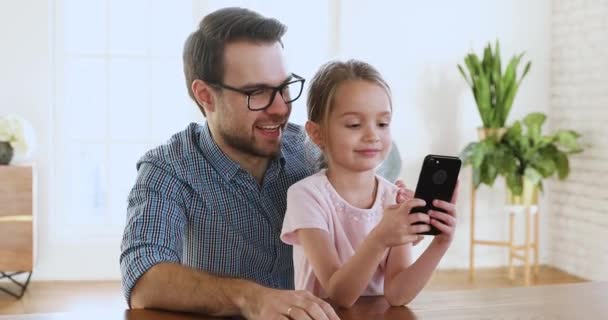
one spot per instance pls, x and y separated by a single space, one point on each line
577 210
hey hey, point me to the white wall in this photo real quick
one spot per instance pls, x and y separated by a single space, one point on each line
415 44
578 225
25 89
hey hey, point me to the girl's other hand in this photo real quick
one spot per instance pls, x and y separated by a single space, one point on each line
399 227
403 194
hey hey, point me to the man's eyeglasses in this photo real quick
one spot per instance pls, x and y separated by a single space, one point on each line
260 98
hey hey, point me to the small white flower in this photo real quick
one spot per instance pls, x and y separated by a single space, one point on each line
12 131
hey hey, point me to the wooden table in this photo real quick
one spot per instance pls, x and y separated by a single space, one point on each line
569 301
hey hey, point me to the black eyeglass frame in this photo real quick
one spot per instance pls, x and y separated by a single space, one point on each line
248 92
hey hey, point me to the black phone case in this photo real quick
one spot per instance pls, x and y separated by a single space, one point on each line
437 180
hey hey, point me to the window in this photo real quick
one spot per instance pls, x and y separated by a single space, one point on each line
120 91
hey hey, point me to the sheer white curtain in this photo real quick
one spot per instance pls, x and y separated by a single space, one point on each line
119 90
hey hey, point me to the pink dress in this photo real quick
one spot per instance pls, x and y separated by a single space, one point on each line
314 203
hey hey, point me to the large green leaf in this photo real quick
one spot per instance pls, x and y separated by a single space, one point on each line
511 87
515 184
467 153
545 141
545 166
489 172
478 155
487 58
562 164
486 159
476 178
484 97
497 63
472 63
509 164
464 75
475 63
526 149
526 70
509 76
497 76
513 135
533 175
568 139
505 160
507 100
534 122
499 90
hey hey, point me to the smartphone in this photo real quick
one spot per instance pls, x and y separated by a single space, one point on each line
437 180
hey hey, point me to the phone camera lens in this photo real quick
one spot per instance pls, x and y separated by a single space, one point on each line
440 177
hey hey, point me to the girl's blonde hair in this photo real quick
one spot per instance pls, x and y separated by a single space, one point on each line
325 83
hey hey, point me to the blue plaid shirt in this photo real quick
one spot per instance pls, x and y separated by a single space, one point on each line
193 205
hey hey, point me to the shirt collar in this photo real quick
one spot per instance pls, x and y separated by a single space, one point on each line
221 162
215 156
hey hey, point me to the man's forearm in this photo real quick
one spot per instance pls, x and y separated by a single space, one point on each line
171 286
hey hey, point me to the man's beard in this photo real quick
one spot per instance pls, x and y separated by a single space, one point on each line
246 144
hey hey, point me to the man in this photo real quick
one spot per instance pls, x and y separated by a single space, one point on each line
206 211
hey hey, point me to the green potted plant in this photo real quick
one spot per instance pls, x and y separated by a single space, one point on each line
494 91
524 156
531 156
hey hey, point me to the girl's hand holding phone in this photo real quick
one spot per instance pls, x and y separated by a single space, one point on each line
398 227
445 221
404 194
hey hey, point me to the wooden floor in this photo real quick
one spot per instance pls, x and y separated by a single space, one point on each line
45 297
496 278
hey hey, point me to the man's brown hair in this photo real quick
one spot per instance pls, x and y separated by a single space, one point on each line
204 49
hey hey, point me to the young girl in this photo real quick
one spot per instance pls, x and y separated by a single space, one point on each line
349 238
